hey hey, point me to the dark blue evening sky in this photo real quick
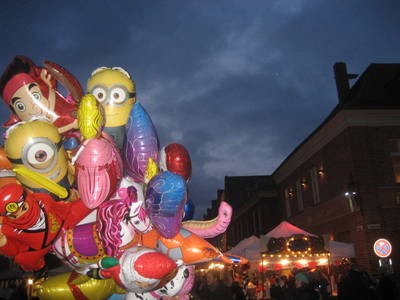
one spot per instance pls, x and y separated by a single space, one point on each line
239 83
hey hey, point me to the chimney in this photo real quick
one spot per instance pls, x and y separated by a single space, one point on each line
342 81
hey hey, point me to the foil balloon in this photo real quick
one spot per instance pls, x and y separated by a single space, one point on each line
211 228
189 210
31 222
188 247
72 286
138 270
6 173
180 284
98 170
113 231
166 196
70 83
188 283
36 152
141 143
175 158
90 117
36 94
115 90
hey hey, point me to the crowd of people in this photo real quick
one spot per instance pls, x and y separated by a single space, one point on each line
214 285
302 284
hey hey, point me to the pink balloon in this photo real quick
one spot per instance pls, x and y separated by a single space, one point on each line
211 228
98 170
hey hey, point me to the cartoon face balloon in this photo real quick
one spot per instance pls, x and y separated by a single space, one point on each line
115 90
35 148
31 92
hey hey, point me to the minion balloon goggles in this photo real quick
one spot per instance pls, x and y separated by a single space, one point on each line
116 94
37 152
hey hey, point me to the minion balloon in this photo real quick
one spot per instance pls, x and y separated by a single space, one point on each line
115 90
37 155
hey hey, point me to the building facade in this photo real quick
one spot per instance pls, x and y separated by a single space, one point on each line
256 207
342 181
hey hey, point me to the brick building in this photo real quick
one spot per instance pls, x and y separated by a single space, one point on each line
256 207
343 180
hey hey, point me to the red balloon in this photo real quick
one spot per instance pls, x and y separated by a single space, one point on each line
175 158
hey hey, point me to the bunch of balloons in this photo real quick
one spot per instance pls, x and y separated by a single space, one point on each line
83 177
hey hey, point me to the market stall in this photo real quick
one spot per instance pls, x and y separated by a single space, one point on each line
290 247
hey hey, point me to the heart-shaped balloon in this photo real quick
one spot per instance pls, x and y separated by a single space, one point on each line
166 196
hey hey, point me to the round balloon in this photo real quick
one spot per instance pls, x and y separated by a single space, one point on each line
175 158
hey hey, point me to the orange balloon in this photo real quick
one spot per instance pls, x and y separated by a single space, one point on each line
6 175
4 162
186 245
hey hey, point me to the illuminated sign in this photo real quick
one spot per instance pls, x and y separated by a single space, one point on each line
382 248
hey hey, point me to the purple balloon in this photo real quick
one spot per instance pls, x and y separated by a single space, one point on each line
141 143
166 196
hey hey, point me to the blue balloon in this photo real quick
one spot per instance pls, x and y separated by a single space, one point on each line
189 210
117 297
166 196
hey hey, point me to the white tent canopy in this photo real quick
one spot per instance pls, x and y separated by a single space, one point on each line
252 246
249 248
340 250
285 229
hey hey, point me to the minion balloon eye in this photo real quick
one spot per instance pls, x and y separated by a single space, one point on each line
114 95
40 154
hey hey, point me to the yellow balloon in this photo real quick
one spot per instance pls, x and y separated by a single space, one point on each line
151 170
90 117
36 152
42 181
71 286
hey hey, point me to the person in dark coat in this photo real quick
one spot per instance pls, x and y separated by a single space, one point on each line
216 289
237 291
356 285
303 291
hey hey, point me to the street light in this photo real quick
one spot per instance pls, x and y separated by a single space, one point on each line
29 288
